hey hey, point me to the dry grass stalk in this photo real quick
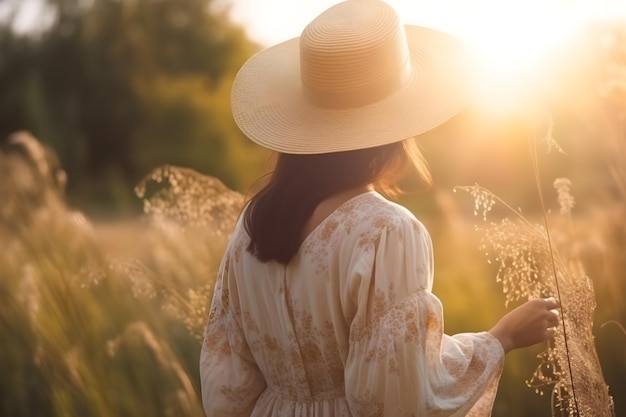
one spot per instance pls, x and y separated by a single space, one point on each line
526 269
190 215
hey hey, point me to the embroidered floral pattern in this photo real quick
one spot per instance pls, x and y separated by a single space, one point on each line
331 333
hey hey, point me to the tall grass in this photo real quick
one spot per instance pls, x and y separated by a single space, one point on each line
103 329
106 320
529 265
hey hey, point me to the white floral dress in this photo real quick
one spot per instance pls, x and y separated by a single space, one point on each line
349 328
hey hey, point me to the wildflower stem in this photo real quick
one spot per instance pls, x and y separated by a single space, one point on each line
494 197
535 165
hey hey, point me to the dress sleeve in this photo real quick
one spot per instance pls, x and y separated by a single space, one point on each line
230 379
400 363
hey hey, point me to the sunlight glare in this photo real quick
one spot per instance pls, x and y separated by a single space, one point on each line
513 54
510 43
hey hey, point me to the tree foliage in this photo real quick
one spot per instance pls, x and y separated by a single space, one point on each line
118 87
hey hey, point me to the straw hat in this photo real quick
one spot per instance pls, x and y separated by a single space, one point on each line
356 78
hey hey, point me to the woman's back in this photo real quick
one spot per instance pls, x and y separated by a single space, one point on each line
320 336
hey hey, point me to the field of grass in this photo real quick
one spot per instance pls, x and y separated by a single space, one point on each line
106 319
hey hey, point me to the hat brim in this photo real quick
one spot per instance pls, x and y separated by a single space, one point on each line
270 109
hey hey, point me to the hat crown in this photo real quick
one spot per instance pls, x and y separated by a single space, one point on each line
356 78
354 54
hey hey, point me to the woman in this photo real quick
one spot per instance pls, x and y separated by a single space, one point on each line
323 304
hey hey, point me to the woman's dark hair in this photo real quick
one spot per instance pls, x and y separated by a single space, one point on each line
276 215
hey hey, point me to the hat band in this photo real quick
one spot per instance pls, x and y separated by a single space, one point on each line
364 95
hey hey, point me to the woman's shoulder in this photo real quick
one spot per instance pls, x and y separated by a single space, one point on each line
378 205
373 211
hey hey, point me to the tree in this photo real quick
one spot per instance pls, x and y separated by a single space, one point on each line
120 86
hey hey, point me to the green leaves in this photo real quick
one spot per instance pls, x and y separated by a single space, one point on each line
119 87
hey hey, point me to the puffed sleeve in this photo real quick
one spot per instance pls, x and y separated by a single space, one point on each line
400 363
230 379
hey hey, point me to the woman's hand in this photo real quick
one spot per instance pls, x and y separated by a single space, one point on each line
528 324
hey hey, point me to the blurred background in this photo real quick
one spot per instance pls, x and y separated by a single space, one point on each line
123 172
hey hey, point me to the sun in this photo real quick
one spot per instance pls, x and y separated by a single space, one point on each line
511 41
513 49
